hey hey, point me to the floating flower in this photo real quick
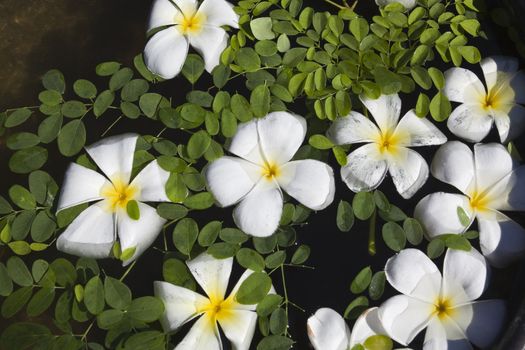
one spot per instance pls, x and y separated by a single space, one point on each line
490 181
266 147
498 103
386 146
94 232
182 305
409 4
182 24
444 305
327 330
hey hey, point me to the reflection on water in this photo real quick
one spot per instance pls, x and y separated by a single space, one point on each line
75 35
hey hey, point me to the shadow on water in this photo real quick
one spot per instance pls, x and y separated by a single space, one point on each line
74 36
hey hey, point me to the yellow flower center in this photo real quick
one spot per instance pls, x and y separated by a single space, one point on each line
479 201
271 170
118 194
443 308
218 309
491 101
192 24
388 143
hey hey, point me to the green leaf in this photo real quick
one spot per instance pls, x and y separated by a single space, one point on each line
140 66
193 68
133 210
275 342
24 335
262 28
151 340
278 321
145 309
50 127
74 109
356 307
176 272
260 101
463 217
17 117
293 56
20 247
175 188
435 248
377 285
170 211
250 259
42 227
361 281
471 26
27 160
94 296
19 272
6 284
198 144
268 304
470 53
422 105
16 301
199 201
109 318
107 68
394 236
54 80
248 59
40 301
359 28
320 142
50 97
132 91
209 233
413 231
233 236
275 259
254 288
378 342
117 294
440 107
72 138
458 242
22 140
65 272
5 207
283 43
301 255
363 205
85 89
437 77
221 75
120 78
185 234
22 197
149 103
103 102
381 201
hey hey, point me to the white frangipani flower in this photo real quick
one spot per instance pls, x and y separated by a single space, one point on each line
182 24
386 147
182 305
266 147
94 232
490 181
409 4
327 330
444 305
480 107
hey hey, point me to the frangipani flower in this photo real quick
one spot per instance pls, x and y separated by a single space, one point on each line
444 305
386 146
409 4
94 232
182 24
499 102
327 330
182 305
490 181
266 147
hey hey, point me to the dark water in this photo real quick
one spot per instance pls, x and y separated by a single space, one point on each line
75 35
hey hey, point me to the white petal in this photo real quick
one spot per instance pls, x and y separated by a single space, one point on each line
510 122
245 143
482 321
367 325
453 164
365 169
509 192
181 304
415 131
409 172
385 110
151 182
462 85
412 273
281 134
353 128
212 274
309 181
210 42
239 327
445 334
470 122
467 270
188 7
81 185
166 52
139 234
219 13
91 234
327 330
409 4
202 335
114 155
494 66
404 317
438 213
493 162
230 179
259 213
502 240
162 14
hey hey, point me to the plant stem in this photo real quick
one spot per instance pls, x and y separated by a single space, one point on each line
286 301
112 125
128 270
87 331
372 234
335 4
